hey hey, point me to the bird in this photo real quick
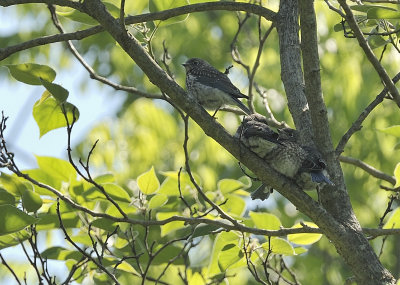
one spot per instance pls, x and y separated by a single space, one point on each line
211 88
283 151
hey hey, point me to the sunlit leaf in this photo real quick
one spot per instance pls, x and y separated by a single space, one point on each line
397 175
58 92
6 198
393 130
304 238
115 192
12 219
234 205
160 5
222 240
229 255
383 13
59 169
157 201
48 113
265 221
172 226
279 246
31 201
394 220
60 253
30 73
148 182
230 185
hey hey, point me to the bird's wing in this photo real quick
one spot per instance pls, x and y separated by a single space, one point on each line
216 79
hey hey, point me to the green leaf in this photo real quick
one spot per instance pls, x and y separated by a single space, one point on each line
366 8
105 224
222 240
58 92
31 201
158 201
105 178
13 239
161 5
230 185
169 227
300 250
394 220
115 191
397 175
60 253
279 246
234 205
229 255
265 221
48 114
203 230
304 238
12 184
59 169
30 73
13 220
382 13
376 41
6 198
393 130
80 17
148 182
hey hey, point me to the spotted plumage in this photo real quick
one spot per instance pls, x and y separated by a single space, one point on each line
210 87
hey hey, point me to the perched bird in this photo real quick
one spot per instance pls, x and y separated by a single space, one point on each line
283 152
210 87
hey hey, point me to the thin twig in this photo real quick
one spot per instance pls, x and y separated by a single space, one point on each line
10 269
368 168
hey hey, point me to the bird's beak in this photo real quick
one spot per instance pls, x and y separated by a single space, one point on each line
184 64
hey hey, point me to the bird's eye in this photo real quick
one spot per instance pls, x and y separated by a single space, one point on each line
195 62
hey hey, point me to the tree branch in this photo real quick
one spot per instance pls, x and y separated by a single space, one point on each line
162 15
369 53
357 125
368 168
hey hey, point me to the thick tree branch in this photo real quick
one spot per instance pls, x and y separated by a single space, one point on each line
368 168
369 53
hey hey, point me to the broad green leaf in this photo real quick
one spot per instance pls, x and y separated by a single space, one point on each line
397 175
30 73
6 198
265 221
234 205
51 221
366 8
148 182
48 113
80 17
115 191
31 201
394 220
230 185
229 255
222 240
169 227
382 13
58 92
376 41
393 130
60 253
157 201
105 224
12 184
13 239
105 178
300 250
279 246
125 266
203 230
161 5
59 169
304 238
13 220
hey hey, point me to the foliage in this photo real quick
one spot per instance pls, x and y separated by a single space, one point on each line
146 219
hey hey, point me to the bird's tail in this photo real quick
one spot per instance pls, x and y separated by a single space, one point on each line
319 177
261 192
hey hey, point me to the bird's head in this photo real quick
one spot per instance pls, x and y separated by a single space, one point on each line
194 63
